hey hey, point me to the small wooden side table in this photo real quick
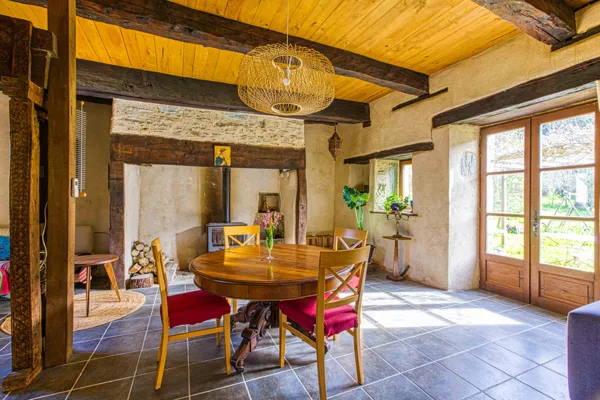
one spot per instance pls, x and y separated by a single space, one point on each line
90 261
397 275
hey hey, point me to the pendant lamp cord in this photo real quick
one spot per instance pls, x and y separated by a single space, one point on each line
287 34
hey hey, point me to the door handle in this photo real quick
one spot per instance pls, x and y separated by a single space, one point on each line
535 224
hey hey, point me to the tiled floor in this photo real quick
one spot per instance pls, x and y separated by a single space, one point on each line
419 343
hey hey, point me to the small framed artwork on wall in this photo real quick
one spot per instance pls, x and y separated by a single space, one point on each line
222 156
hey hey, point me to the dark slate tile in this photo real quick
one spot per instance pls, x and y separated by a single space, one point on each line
177 356
235 392
206 349
90 334
143 311
431 299
174 385
489 332
543 313
4 342
508 301
548 382
153 337
404 320
336 378
374 367
82 351
547 339
528 349
480 396
300 354
263 362
396 387
470 295
147 291
127 326
503 359
555 328
356 394
344 344
150 300
5 366
50 381
558 365
402 356
276 387
372 335
459 337
175 289
474 371
274 332
514 390
491 305
432 346
7 349
525 317
440 383
120 344
236 338
116 390
211 375
108 369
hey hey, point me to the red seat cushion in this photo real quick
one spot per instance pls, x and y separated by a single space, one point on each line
194 307
304 313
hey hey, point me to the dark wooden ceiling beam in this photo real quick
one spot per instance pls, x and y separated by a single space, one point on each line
396 151
549 21
174 21
109 81
571 80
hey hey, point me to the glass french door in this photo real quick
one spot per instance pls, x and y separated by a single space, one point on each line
539 220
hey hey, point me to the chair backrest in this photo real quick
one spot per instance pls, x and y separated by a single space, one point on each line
342 233
330 263
249 232
162 279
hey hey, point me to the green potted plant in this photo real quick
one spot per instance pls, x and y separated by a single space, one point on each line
356 200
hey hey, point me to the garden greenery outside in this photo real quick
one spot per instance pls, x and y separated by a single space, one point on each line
564 193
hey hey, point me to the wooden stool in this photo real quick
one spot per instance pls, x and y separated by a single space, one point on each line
90 261
396 275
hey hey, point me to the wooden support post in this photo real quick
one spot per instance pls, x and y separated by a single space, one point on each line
117 218
301 208
598 93
61 171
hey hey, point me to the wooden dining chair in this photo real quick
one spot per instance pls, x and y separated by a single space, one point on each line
326 314
233 233
340 235
188 309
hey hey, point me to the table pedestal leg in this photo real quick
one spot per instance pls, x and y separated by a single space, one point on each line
261 315
397 275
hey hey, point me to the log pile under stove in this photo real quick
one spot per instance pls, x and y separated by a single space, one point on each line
144 272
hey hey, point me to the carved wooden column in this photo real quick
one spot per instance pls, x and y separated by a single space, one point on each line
301 209
116 182
16 61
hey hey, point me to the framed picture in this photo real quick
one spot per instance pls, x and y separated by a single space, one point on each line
268 202
222 156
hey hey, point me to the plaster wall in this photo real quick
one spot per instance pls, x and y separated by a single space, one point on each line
4 161
288 191
94 209
246 184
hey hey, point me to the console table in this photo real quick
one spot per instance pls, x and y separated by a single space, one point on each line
397 275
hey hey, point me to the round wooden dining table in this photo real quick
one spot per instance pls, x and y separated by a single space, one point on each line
246 273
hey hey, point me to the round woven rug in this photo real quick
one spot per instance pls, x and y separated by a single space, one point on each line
104 308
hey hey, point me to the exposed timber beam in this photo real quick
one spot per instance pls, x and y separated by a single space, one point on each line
109 81
568 81
174 21
396 151
549 21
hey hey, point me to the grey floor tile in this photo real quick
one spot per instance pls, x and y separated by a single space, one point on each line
470 295
402 356
431 299
206 349
336 378
5 367
405 320
489 332
374 367
473 370
396 387
529 349
344 344
558 343
235 392
50 381
211 375
356 394
82 351
548 382
177 356
116 390
300 354
127 326
556 328
119 345
276 387
491 305
89 334
148 291
440 383
460 337
432 346
543 313
108 369
515 390
143 311
558 365
505 360
480 396
372 335
526 317
174 385
263 362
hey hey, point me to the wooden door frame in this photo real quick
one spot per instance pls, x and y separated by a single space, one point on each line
536 266
483 256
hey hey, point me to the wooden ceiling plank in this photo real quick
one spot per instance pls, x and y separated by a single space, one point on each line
161 57
84 48
279 20
549 21
106 81
113 41
95 40
248 11
200 59
189 55
181 23
215 7
211 63
264 14
147 50
175 57
233 9
232 74
223 66
133 50
317 17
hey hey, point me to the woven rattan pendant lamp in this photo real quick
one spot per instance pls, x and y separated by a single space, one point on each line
285 79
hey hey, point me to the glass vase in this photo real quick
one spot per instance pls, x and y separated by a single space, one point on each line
269 242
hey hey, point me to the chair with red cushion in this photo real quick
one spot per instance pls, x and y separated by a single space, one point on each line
188 309
326 314
340 235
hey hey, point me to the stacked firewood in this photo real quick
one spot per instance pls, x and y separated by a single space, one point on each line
143 260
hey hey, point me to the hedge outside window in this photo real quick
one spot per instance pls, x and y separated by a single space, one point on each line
391 177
